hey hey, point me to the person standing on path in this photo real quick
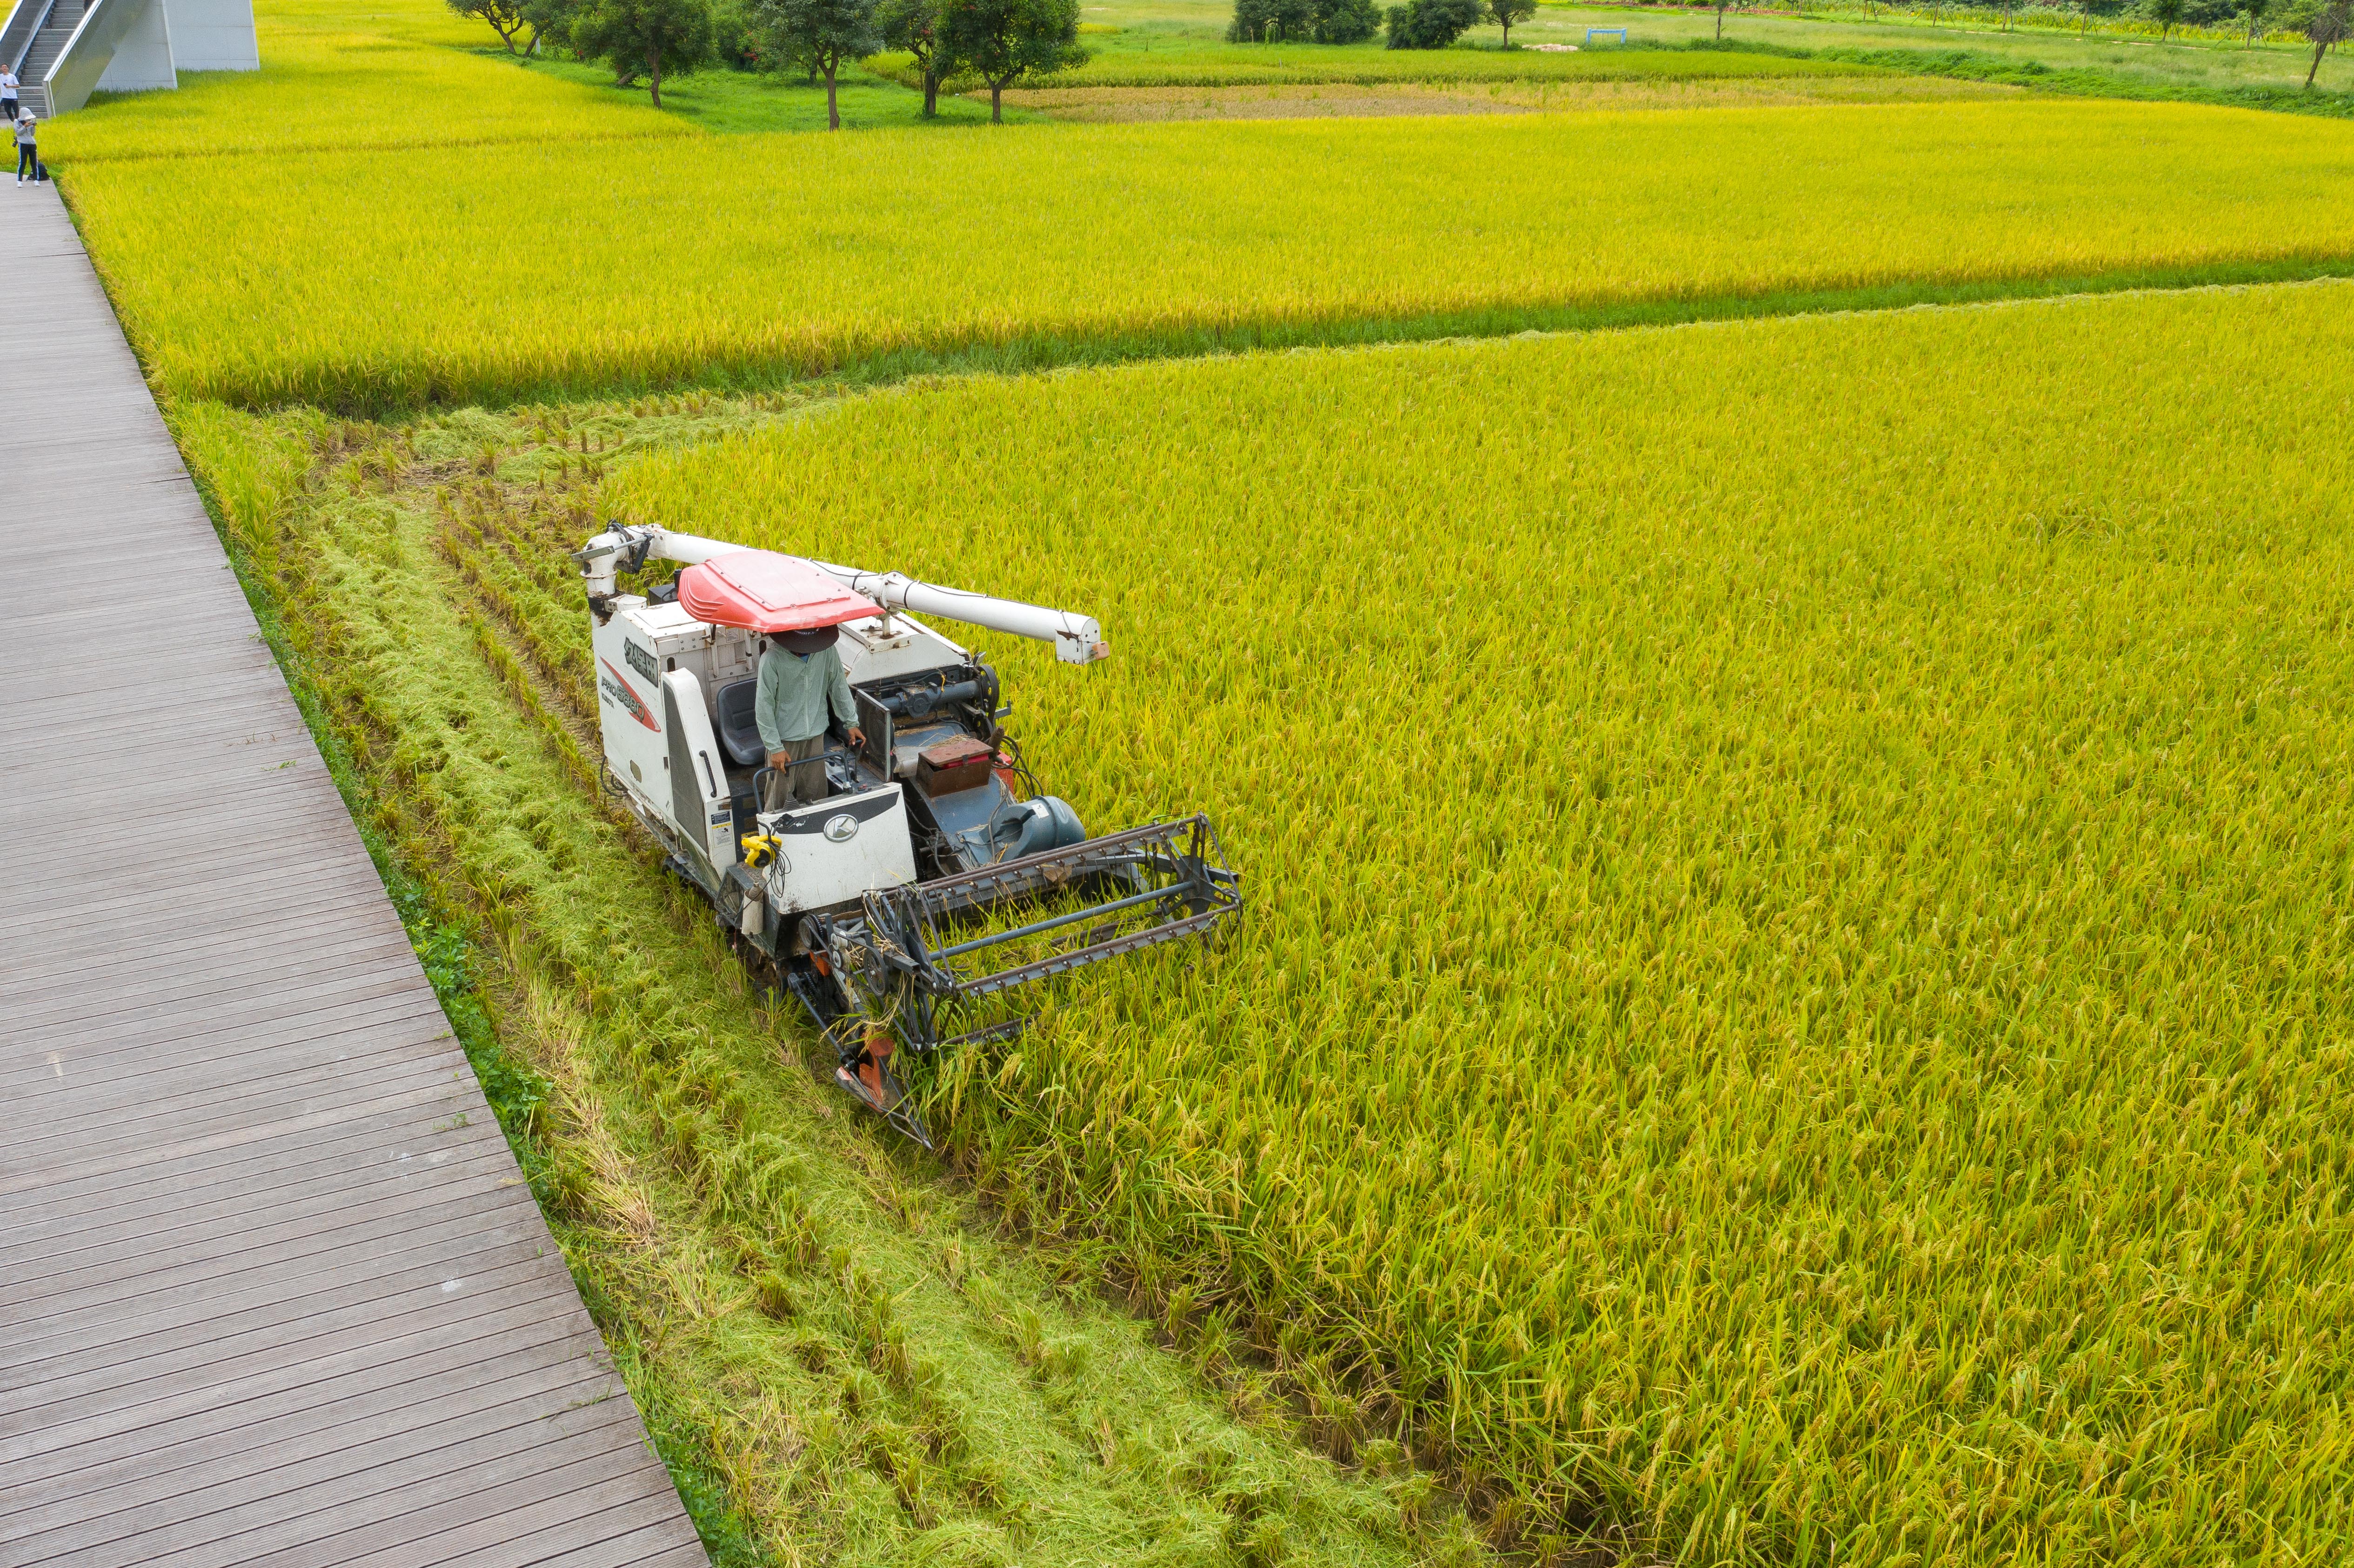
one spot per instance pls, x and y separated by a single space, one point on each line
28 156
801 678
8 93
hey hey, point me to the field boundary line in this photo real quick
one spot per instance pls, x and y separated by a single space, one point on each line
1045 351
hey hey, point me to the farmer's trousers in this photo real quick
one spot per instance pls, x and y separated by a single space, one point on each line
803 783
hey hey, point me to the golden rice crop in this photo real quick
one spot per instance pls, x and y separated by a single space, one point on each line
831 1353
1796 998
373 279
401 73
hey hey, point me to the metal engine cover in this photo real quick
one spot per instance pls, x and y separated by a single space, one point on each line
835 851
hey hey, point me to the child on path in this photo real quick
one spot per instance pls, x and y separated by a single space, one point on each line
28 158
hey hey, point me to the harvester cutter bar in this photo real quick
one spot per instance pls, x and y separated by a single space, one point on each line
903 931
1079 958
1152 847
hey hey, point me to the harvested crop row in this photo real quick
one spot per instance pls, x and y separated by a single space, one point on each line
868 1376
1797 994
371 279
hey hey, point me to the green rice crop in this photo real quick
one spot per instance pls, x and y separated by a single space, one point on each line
371 279
400 73
1795 1001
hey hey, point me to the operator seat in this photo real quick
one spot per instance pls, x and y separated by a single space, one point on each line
739 734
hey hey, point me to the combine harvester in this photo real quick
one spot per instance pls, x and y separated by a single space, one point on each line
876 906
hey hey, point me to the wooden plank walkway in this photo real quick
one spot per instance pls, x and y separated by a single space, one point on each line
271 1288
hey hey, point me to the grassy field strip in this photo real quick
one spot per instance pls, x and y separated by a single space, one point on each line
840 1362
2278 61
390 77
1209 63
368 280
1797 990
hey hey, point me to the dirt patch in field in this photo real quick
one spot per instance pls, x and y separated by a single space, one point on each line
1319 101
1339 99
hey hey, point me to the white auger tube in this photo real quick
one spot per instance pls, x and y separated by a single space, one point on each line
1076 638
602 557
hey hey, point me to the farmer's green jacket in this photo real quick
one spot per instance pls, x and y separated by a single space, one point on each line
793 693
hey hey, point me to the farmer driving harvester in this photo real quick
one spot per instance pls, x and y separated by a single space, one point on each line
800 679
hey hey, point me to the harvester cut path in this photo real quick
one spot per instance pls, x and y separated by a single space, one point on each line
937 877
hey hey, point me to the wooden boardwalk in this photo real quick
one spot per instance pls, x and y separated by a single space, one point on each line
271 1289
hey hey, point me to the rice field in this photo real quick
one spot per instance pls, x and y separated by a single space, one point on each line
840 1361
1794 1001
1794 1007
356 280
334 76
1133 104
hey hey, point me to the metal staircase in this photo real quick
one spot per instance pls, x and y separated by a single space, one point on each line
62 48
56 28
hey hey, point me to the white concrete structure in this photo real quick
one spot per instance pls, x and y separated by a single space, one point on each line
213 35
65 49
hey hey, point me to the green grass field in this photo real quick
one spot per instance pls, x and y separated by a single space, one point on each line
735 103
1164 42
1187 60
2207 64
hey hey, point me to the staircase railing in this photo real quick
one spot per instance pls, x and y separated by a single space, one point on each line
26 20
75 72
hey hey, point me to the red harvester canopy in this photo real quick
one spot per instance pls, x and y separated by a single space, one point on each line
768 592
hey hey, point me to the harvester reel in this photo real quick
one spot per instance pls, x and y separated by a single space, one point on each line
909 980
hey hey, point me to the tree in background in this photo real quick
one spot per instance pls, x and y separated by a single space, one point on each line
2167 14
1321 21
2327 26
1266 21
1507 11
915 25
1346 21
1720 19
2256 10
506 17
551 22
652 37
822 33
1431 23
736 43
1005 40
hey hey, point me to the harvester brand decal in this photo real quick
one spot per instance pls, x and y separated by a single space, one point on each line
640 660
619 690
854 812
